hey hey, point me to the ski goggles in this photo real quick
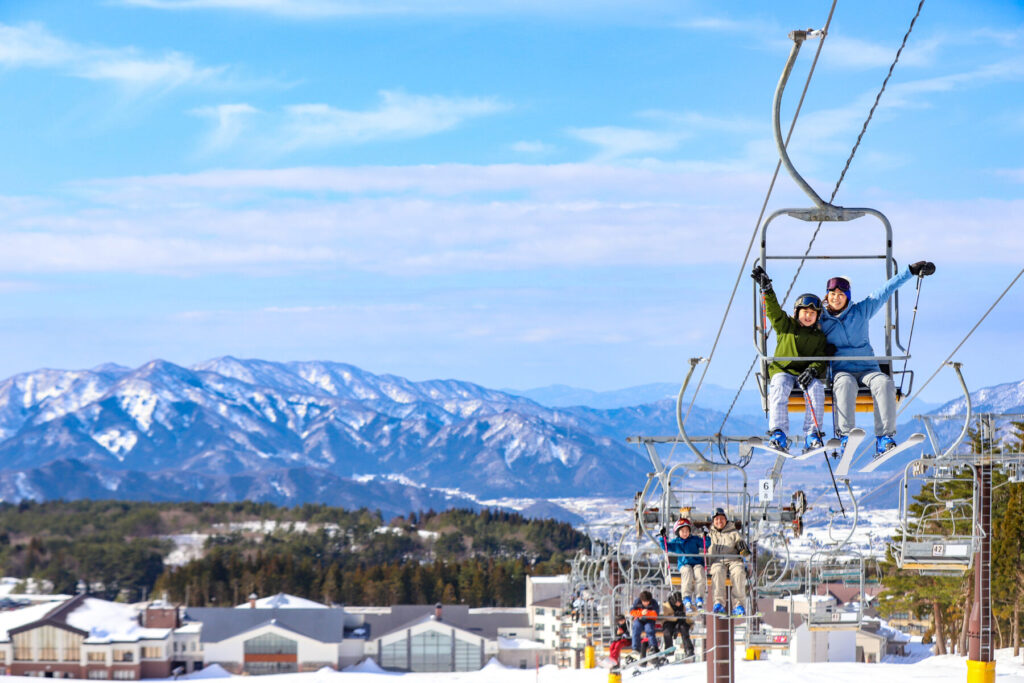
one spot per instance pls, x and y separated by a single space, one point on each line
807 301
838 283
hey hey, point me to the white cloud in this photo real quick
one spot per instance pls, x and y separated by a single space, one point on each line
530 147
616 142
32 46
399 116
442 219
231 121
315 9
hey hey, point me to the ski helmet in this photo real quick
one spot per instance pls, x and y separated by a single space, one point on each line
680 524
807 300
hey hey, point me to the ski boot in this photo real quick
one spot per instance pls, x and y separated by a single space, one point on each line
812 441
883 444
700 604
719 608
687 605
778 440
739 611
842 442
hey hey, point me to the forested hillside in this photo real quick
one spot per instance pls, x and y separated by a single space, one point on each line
328 554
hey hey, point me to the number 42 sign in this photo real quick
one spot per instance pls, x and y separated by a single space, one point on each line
765 490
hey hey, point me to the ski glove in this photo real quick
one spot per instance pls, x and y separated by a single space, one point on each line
806 377
762 279
922 268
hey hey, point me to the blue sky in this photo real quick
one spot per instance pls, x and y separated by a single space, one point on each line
513 193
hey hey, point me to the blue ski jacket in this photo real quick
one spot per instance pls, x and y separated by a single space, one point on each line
848 331
693 547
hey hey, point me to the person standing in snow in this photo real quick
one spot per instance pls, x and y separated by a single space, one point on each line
846 327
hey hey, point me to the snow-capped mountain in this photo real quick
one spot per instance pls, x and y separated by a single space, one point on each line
294 432
1001 398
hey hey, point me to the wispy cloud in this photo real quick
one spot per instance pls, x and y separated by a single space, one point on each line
231 121
530 147
435 219
616 142
316 9
399 116
32 46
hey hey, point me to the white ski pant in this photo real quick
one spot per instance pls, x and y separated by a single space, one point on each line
692 581
737 572
844 399
778 402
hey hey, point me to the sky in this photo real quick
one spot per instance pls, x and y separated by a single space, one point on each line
514 193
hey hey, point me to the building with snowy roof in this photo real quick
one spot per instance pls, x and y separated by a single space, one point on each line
420 638
85 637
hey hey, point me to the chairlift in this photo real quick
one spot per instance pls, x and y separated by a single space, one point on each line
823 211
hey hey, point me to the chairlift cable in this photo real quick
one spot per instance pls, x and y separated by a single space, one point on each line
764 207
835 190
856 145
910 399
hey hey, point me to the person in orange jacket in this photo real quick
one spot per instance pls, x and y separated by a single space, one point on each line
645 616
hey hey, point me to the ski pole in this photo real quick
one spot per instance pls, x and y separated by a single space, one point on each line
814 418
910 337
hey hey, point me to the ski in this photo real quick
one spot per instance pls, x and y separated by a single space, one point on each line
879 460
656 659
855 436
758 443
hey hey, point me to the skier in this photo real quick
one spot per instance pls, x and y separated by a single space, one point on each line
798 335
645 616
726 550
689 550
675 621
846 327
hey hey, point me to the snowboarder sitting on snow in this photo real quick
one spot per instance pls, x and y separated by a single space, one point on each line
846 326
622 638
676 623
645 616
726 547
798 335
689 550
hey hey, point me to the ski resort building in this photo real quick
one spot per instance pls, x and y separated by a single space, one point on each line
84 637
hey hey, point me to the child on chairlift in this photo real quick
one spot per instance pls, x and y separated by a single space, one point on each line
796 335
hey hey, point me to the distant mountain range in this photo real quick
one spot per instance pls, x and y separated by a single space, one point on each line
289 433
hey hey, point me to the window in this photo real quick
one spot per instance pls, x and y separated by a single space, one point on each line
540 611
152 652
97 673
393 656
192 646
96 656
123 674
267 668
467 656
124 656
539 627
23 646
271 644
431 651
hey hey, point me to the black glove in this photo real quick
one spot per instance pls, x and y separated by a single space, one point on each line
663 531
830 349
762 279
806 377
922 268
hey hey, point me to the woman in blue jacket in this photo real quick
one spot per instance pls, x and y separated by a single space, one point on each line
846 327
